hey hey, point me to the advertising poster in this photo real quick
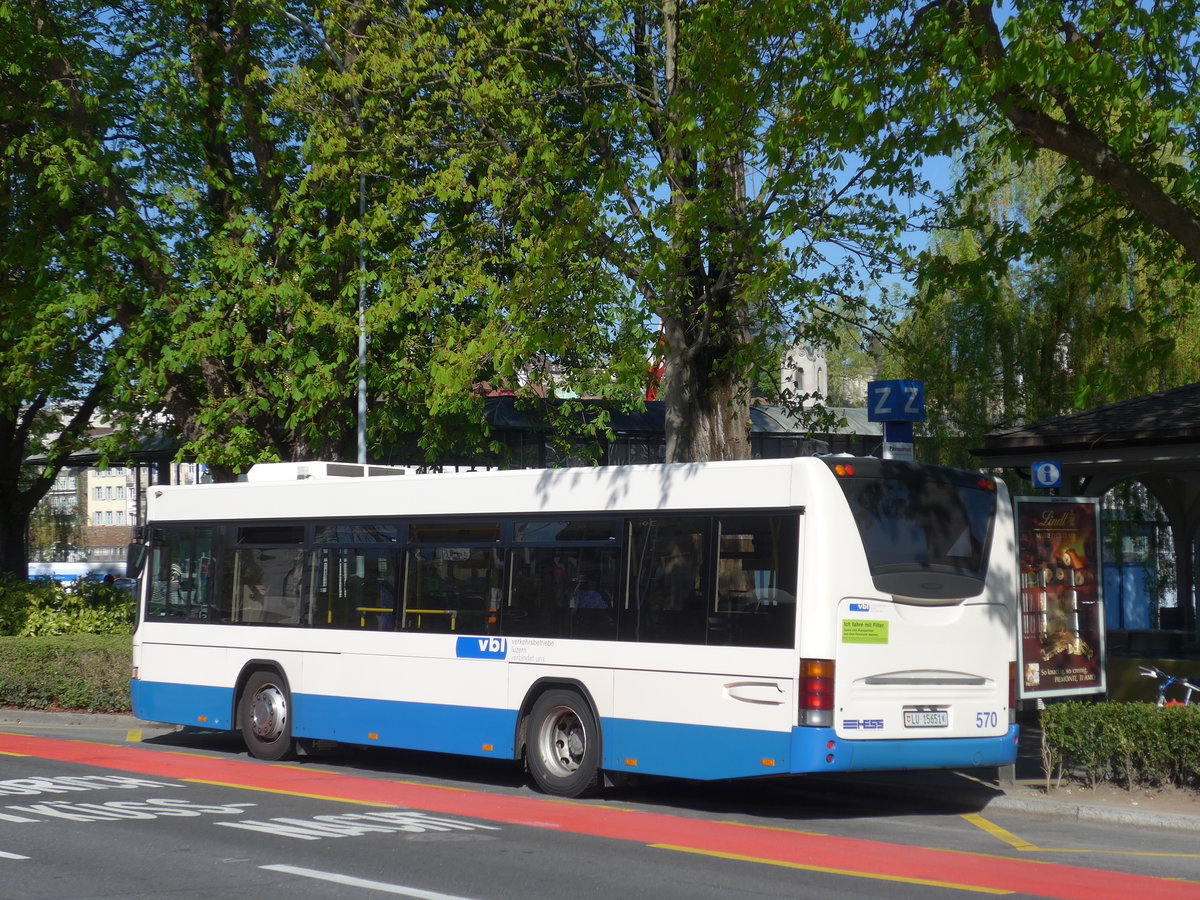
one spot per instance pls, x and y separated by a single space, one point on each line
1062 615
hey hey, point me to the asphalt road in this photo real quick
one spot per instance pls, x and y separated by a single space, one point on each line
92 809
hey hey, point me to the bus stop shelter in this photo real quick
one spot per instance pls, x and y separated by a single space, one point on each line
1154 440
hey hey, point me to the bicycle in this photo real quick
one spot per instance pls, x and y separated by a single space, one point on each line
1189 687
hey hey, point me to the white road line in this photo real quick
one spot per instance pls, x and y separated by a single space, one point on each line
351 881
4 855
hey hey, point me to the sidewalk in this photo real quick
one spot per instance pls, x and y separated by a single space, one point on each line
968 790
1174 808
982 791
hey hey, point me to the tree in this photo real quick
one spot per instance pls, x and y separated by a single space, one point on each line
1024 312
165 255
239 316
588 174
1108 85
56 330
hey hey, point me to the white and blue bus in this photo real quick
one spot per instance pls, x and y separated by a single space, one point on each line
704 621
69 573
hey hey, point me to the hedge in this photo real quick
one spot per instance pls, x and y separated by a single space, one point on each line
63 649
44 607
76 672
1133 744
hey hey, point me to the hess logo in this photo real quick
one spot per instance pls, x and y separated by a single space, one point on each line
862 724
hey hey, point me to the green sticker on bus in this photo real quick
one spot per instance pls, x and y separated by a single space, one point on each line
862 631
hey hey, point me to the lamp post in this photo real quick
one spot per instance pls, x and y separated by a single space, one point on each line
317 36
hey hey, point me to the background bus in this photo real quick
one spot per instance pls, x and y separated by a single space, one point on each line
705 621
68 573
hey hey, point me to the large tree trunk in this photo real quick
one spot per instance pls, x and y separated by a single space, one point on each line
14 551
15 510
707 403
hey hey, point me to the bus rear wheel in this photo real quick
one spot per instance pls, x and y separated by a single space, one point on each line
265 716
563 746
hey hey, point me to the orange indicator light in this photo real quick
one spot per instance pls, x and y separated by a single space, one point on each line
487 748
372 737
202 718
769 763
632 763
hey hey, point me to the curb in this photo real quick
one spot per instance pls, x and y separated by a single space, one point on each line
1082 812
974 795
95 720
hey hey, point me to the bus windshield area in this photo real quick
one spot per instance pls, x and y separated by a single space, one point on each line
926 531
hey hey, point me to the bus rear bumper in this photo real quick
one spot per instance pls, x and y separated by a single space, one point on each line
821 750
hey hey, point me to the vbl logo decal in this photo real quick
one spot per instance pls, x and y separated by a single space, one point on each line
481 648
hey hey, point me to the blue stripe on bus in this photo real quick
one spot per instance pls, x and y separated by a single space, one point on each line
820 750
468 730
702 752
182 704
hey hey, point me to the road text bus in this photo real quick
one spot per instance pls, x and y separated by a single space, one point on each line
705 621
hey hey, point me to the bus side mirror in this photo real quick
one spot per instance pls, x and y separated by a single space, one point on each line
135 560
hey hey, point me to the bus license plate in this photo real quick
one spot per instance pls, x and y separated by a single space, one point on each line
926 718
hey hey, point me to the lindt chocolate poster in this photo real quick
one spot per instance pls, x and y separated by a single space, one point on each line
1061 636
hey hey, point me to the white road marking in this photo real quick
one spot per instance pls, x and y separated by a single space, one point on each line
351 881
4 855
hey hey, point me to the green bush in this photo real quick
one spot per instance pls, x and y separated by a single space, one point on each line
44 607
77 672
1134 744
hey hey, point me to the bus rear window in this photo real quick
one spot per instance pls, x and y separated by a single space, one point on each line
926 530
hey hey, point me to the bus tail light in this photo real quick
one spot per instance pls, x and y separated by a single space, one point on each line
1012 692
816 692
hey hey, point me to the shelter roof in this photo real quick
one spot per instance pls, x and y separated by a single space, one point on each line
1160 429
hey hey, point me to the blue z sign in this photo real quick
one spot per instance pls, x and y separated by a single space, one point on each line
896 401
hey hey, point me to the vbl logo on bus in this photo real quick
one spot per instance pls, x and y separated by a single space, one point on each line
481 648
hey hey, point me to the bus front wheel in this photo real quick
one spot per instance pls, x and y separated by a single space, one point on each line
265 716
563 747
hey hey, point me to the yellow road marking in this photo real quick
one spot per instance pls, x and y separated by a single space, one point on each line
772 828
1001 834
831 871
264 790
1023 845
133 736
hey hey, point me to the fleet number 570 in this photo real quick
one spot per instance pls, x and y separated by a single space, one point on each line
987 719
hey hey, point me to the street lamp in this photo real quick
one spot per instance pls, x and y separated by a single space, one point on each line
317 36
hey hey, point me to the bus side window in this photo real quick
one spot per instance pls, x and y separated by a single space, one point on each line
453 589
756 581
181 576
668 581
265 584
351 588
563 591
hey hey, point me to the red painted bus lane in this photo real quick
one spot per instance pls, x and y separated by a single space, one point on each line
860 858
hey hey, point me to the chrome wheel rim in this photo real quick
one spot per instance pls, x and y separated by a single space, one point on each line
563 741
268 713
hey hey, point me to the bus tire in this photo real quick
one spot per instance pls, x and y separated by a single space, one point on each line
265 716
563 745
